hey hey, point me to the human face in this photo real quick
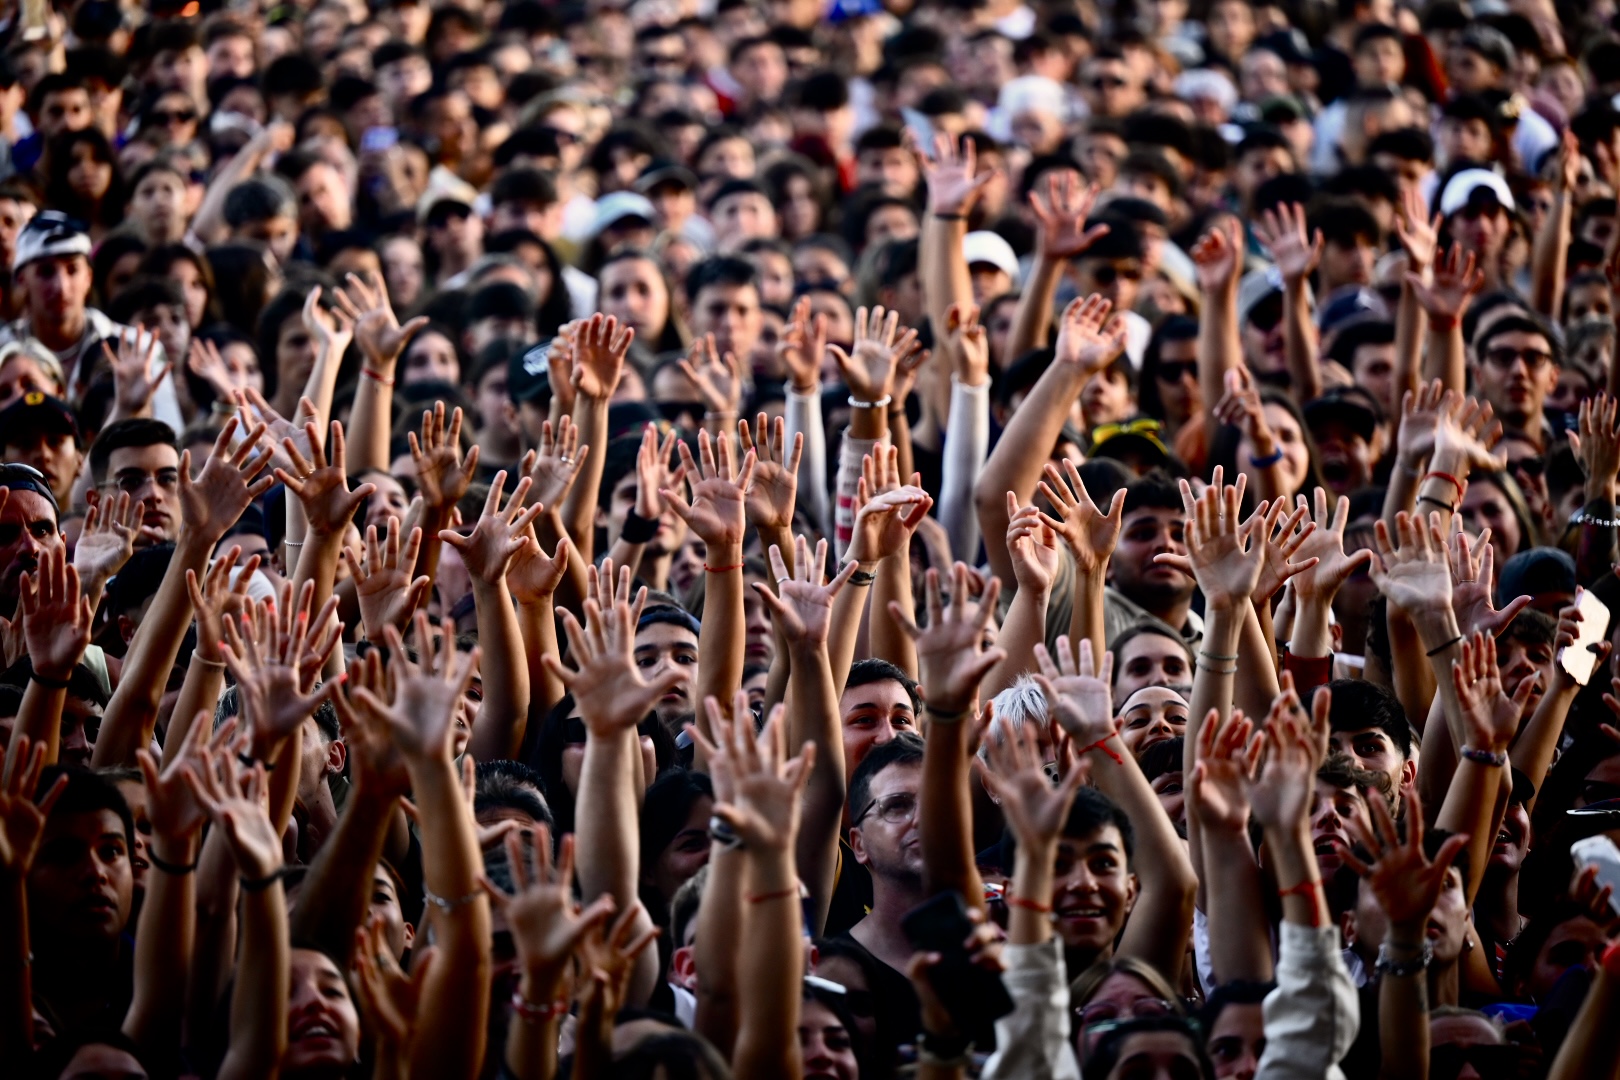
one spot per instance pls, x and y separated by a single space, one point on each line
1177 378
1236 1040
800 212
1332 809
279 234
1122 996
56 454
1516 372
1110 88
431 358
82 883
1347 460
230 56
1512 840
686 854
14 214
1372 750
745 216
189 279
58 288
168 322
1161 1055
633 291
242 364
1468 72
1484 504
1296 461
403 271
384 905
662 647
65 110
28 529
731 313
1373 367
891 850
1483 232
893 171
1575 942
323 200
827 1049
1107 398
98 1061
1146 532
323 1028
1116 280
1347 264
1259 165
1519 660
151 473
88 175
1150 660
1094 889
874 714
888 223
1151 715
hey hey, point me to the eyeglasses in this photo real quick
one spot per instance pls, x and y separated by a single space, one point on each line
1176 371
1532 466
1503 357
1107 82
1108 274
892 809
164 118
1141 1009
133 481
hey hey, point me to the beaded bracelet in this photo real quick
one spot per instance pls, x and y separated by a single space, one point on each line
533 1013
447 906
857 403
1484 757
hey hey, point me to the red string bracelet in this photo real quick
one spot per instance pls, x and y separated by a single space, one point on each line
1028 904
760 898
370 374
721 569
1304 888
1102 744
1436 474
531 1012
1443 322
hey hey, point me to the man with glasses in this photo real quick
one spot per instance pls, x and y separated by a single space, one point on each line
1515 366
29 526
141 458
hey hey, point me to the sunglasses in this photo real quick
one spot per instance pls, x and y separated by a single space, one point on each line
165 118
1504 357
1107 275
1175 372
674 410
1532 466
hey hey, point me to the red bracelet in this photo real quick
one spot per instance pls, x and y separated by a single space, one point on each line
1443 322
538 1013
760 898
1028 904
1610 960
1101 744
1436 474
721 569
376 375
1304 888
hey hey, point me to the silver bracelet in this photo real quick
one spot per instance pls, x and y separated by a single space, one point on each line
447 906
856 403
1583 518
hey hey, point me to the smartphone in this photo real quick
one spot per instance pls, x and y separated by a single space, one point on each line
374 140
1599 851
974 997
1578 659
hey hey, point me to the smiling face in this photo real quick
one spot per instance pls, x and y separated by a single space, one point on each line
1093 890
1150 716
323 1028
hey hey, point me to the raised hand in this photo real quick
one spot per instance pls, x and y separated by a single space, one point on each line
1060 216
1282 539
967 343
57 616
560 366
718 377
1282 232
552 470
884 523
801 606
951 650
599 349
1325 545
1414 576
1033 546
1313 723
227 485
1421 414
1456 281
499 535
547 924
953 178
1406 882
239 806
1464 437
1080 697
172 803
1418 233
215 600
771 497
443 473
376 766
532 575
254 409
134 382
766 783
1035 808
1473 570
802 344
1282 777
204 361
322 487
1082 342
108 539
869 367
1490 717
427 695
1218 257
1240 407
1223 554
1090 534
1597 443
383 583
1217 791
717 512
606 683
376 329
607 958
275 661
22 817
331 327
653 473
389 997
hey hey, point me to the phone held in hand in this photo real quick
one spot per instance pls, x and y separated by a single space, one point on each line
975 997
1578 660
1599 851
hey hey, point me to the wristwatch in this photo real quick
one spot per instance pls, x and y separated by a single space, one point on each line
1404 968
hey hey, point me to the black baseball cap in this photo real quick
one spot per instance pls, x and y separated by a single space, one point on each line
528 374
1347 405
38 413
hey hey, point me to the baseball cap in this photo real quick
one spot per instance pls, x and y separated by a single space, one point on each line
1474 187
19 477
1346 405
621 206
38 413
1132 441
988 247
528 373
444 186
1536 571
50 233
663 172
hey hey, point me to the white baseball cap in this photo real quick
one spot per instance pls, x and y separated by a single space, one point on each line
988 247
1460 190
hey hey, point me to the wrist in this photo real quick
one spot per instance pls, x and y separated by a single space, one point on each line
176 850
722 554
812 389
1435 627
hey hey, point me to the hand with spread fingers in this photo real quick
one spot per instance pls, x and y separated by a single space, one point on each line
1080 695
1036 809
546 922
499 536
801 346
1218 257
653 473
607 684
275 660
1491 717
1401 875
135 382
717 376
1060 211
1456 282
1091 534
172 804
1415 576
443 471
775 487
427 694
532 575
238 803
1473 574
321 486
954 180
869 366
599 346
22 813
1294 249
217 601
1282 778
1217 794
107 540
383 584
1418 233
1421 414
1087 339
884 519
718 510
767 784
1325 544
389 996
332 326
950 650
376 767
552 469
57 616
376 329
204 360
801 604
229 482
1033 546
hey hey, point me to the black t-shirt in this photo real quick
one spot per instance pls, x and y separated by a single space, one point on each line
895 1002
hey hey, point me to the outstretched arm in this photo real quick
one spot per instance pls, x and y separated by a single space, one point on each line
1284 234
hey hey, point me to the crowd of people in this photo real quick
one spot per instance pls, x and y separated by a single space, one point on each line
809 538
